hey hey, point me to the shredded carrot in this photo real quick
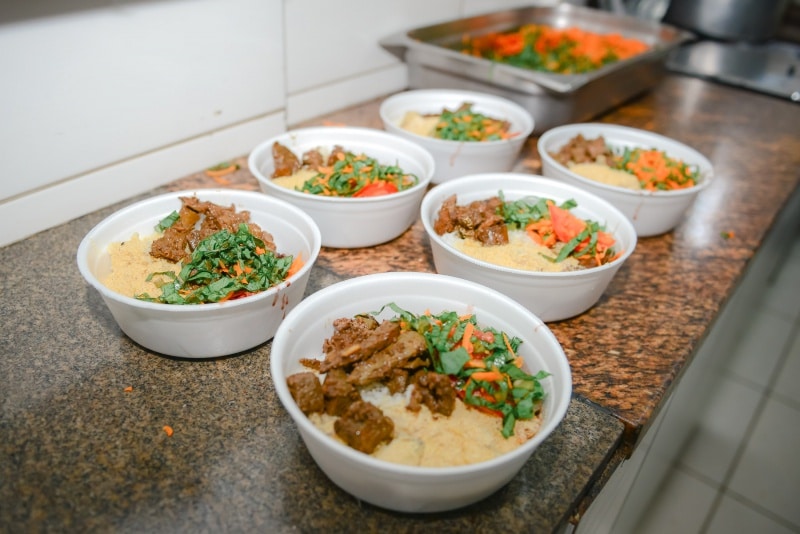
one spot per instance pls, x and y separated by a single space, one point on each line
475 364
508 344
466 340
221 170
128 389
487 376
168 430
297 264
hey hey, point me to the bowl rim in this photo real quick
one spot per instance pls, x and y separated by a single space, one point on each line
704 162
522 115
523 180
301 420
87 242
411 149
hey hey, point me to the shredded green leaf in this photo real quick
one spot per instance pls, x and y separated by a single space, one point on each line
224 266
464 124
443 334
354 172
167 221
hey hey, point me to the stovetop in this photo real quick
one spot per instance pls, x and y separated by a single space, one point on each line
772 68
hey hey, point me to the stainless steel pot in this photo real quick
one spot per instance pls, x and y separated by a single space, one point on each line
728 20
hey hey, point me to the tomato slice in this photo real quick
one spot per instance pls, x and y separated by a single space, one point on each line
377 189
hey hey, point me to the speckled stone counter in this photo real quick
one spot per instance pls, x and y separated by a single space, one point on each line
82 407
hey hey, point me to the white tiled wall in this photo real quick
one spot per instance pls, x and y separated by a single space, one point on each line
104 99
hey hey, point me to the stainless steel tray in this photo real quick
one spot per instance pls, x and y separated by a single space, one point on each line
552 99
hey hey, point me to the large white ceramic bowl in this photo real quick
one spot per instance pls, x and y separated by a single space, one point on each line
203 330
651 212
400 487
351 222
552 296
457 158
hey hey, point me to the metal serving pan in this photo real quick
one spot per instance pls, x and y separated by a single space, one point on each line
553 99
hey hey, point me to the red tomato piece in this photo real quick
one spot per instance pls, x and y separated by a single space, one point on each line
377 189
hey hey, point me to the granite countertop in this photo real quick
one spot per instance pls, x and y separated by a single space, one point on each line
82 407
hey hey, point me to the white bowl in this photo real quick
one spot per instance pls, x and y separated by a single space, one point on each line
401 487
351 222
651 212
457 158
552 296
203 330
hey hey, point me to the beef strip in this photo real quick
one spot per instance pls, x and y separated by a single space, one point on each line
306 392
286 163
408 352
313 158
180 239
582 150
478 220
334 156
397 381
363 427
434 391
355 341
172 245
338 392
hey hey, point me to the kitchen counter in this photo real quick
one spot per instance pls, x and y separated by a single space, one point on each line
82 407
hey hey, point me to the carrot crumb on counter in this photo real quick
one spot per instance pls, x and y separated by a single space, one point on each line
217 171
168 430
128 389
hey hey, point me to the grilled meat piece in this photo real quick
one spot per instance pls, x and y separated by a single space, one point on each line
479 220
306 392
363 427
410 351
339 393
180 239
286 163
434 391
582 150
355 341
172 246
314 159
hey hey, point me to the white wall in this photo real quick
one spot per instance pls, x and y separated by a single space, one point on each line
101 100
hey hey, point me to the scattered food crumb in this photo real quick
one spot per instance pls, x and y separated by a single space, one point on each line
728 234
128 389
218 171
168 430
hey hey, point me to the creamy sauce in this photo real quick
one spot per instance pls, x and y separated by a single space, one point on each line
131 264
433 440
424 125
521 252
606 175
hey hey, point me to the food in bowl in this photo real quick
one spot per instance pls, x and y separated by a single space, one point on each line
212 329
431 390
391 485
339 173
654 208
552 296
461 124
200 254
529 233
456 152
634 168
558 50
350 221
